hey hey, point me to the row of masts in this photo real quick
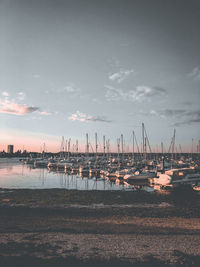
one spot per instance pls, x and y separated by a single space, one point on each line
66 144
67 147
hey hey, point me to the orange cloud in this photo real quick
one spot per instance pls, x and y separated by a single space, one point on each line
11 107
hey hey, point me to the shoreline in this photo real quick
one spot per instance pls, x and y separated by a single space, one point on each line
85 228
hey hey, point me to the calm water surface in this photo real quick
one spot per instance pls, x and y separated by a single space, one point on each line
15 174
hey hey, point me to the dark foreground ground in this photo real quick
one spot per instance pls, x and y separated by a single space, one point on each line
58 227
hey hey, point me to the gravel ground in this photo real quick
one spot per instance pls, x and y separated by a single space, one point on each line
158 228
83 246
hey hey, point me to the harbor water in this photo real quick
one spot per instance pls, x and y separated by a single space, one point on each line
16 175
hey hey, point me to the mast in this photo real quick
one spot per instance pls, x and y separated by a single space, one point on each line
133 146
181 152
143 141
192 148
173 143
61 146
108 147
145 149
76 146
118 149
122 146
104 145
44 147
96 145
69 143
87 145
66 146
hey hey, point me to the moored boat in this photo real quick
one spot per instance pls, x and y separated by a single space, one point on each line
175 177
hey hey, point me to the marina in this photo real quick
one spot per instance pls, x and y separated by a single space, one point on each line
102 172
102 167
116 168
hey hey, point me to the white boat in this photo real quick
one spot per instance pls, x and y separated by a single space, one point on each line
178 176
162 179
141 178
121 173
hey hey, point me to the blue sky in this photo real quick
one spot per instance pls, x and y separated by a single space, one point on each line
69 68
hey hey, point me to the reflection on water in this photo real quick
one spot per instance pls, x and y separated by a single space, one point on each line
14 174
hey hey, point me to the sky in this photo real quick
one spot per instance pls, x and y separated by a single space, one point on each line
71 67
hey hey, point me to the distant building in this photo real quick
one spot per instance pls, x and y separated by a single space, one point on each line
10 149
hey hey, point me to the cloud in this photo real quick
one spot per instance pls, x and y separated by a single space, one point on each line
191 117
11 107
182 116
71 89
45 113
121 75
79 116
195 73
146 93
20 96
114 94
169 113
139 94
6 94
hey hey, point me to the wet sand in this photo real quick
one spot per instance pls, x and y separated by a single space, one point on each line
149 230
